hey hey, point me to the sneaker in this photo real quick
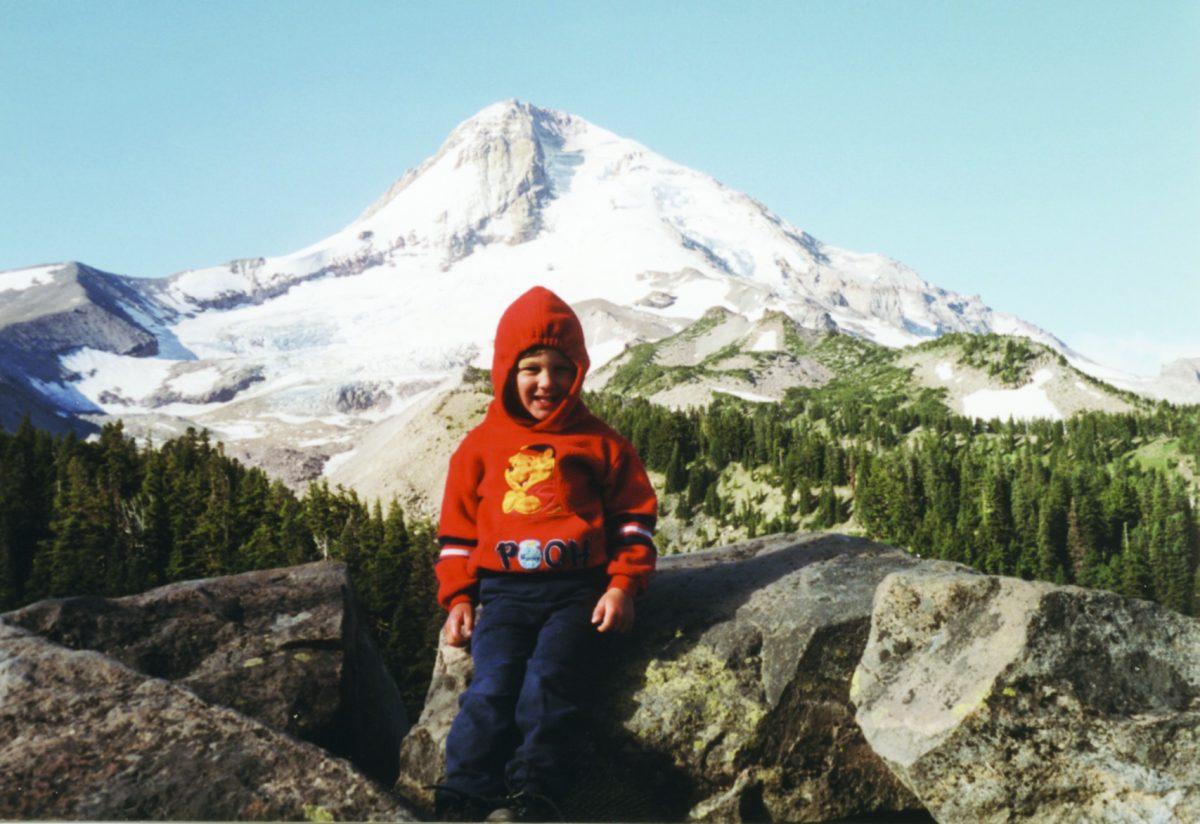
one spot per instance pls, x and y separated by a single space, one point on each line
503 813
526 806
450 804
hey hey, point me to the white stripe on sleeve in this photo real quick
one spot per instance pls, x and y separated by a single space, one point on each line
633 528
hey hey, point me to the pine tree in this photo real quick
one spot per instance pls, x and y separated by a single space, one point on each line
677 477
149 515
995 531
72 562
349 545
321 517
292 535
9 587
215 527
1078 546
1052 561
1174 568
27 475
968 517
828 508
1134 579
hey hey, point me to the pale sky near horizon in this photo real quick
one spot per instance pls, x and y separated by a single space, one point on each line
1045 156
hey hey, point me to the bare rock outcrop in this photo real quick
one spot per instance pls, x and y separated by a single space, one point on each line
997 699
283 646
730 700
82 736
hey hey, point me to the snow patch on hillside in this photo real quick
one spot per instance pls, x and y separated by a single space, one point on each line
123 376
238 430
64 395
604 352
766 342
876 330
337 460
195 383
744 395
1026 403
17 280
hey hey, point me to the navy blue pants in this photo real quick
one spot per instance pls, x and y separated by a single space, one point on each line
533 648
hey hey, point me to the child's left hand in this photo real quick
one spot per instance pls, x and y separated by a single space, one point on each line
614 610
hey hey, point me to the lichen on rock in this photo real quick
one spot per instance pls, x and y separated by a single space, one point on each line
695 708
995 698
730 699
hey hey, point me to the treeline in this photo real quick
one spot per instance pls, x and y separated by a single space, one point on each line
114 518
1058 501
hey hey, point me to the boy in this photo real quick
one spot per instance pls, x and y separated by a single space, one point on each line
547 521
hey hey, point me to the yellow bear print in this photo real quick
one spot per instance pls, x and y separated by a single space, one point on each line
526 469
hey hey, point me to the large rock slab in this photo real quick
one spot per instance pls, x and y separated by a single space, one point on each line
730 699
284 646
85 737
995 698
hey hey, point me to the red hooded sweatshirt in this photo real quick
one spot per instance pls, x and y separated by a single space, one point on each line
529 497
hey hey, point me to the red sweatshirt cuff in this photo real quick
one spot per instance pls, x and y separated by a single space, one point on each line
631 586
461 598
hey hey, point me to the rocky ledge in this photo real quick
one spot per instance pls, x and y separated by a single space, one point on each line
791 678
996 699
731 699
249 696
821 677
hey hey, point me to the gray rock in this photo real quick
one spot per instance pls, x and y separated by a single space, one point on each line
85 737
995 698
285 646
730 699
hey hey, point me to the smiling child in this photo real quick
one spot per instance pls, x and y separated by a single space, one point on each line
547 522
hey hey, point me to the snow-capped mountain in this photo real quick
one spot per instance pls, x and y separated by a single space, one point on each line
299 352
519 194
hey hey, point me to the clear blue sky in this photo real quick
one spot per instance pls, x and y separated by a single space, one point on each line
1045 155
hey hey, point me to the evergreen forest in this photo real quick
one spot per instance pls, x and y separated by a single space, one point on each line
1100 500
109 517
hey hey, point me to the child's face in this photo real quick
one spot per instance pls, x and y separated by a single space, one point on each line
544 378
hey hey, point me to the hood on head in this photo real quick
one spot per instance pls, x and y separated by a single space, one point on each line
537 318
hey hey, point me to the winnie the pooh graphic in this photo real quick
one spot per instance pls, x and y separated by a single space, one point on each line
529 468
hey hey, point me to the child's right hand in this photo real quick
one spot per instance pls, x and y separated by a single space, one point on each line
459 624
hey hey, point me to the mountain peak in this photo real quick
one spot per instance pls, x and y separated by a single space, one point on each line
502 111
490 181
516 116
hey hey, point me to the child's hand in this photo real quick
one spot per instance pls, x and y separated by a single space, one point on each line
459 624
614 610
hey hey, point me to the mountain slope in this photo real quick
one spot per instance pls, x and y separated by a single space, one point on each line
294 359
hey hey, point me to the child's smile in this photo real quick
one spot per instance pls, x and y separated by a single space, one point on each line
544 379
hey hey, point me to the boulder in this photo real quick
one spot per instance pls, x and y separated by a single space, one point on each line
995 698
284 646
84 737
729 700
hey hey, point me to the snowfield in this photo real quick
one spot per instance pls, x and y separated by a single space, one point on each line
18 280
122 375
1025 403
